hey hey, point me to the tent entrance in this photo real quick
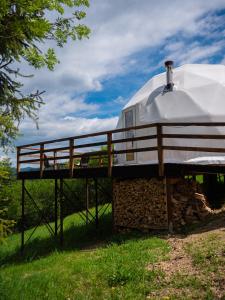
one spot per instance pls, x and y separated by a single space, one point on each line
129 118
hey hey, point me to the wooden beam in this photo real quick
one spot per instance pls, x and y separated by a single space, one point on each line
95 134
194 136
194 149
146 149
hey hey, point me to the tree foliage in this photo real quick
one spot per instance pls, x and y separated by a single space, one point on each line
5 178
24 26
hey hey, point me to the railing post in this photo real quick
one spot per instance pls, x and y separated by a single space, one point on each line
41 160
109 148
71 163
18 160
160 150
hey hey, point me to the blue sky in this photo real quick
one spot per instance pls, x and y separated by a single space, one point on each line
130 40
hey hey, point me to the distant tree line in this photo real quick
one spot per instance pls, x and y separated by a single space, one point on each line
42 191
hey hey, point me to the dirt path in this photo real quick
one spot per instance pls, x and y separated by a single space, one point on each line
195 268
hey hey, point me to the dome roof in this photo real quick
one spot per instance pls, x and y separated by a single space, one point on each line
198 95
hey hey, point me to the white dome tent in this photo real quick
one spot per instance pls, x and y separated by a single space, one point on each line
192 93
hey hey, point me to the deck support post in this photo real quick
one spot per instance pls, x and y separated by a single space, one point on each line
96 202
61 210
56 208
87 200
22 215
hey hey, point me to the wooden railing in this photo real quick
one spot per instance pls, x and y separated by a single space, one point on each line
38 153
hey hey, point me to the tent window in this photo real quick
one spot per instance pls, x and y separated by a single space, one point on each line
129 122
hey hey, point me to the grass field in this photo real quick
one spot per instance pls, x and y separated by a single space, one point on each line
99 265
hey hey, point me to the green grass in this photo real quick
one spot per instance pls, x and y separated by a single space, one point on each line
92 265
97 264
208 253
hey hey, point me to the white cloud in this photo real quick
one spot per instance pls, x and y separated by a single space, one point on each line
120 100
64 127
61 105
194 52
119 30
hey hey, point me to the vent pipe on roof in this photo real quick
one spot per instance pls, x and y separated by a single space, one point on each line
169 75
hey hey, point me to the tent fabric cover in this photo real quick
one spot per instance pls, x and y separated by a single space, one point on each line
198 96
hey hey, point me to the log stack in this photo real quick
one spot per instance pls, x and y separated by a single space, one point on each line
189 204
140 203
143 203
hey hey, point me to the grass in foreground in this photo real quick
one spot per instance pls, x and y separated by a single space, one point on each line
100 265
93 265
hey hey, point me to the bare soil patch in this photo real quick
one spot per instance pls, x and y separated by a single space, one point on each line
195 268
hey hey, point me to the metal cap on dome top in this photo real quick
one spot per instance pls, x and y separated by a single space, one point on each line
168 63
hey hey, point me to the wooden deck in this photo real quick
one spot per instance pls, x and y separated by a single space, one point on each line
93 156
132 171
62 157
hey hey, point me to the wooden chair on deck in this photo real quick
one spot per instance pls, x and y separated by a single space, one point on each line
47 163
84 161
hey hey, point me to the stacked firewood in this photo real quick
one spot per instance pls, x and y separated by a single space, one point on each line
189 204
140 203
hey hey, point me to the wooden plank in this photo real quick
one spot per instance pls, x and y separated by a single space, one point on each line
87 145
146 149
200 124
195 136
94 153
130 171
160 150
110 156
30 161
58 149
195 149
213 124
139 138
92 135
